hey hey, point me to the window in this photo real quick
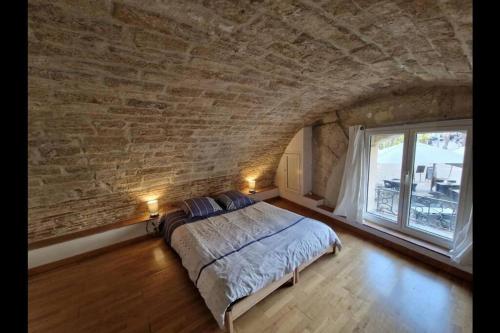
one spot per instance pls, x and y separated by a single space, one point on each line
415 177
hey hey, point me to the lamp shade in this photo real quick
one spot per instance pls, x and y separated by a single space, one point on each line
153 207
251 185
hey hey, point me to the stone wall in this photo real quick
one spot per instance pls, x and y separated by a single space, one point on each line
131 100
406 106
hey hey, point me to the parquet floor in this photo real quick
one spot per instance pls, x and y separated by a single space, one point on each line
143 288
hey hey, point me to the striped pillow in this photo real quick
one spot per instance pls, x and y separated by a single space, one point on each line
199 207
233 200
171 219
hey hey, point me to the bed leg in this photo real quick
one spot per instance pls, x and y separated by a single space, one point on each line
332 249
296 276
229 322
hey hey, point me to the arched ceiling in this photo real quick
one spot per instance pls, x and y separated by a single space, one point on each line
127 98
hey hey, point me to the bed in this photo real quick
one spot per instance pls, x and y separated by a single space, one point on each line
237 258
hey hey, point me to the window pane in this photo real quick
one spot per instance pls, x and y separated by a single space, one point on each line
386 156
437 166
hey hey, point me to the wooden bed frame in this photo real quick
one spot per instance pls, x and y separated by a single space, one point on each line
246 303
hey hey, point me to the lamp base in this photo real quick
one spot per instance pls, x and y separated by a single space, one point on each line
252 192
154 215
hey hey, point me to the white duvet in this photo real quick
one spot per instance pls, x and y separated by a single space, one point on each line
233 255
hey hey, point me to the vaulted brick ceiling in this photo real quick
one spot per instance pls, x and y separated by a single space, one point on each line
131 99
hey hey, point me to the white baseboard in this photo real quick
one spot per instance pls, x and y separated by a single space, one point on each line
303 201
411 246
52 253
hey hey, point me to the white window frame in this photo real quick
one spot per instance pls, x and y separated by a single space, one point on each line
409 132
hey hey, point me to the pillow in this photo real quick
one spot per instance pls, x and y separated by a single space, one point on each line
233 200
201 206
171 218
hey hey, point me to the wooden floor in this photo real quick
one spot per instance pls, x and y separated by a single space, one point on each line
144 288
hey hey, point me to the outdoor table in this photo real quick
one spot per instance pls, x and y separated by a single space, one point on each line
445 188
395 183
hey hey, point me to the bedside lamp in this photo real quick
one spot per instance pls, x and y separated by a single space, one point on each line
251 185
153 208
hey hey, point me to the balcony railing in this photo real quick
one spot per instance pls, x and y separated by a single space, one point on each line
425 210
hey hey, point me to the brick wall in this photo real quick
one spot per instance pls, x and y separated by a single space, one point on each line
130 100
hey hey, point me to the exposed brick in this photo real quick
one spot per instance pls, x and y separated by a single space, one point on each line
129 99
104 144
184 92
129 84
85 97
219 95
159 41
146 104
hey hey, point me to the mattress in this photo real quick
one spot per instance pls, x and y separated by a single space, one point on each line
232 255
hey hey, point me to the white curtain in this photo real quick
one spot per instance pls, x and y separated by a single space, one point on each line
352 195
462 246
461 251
